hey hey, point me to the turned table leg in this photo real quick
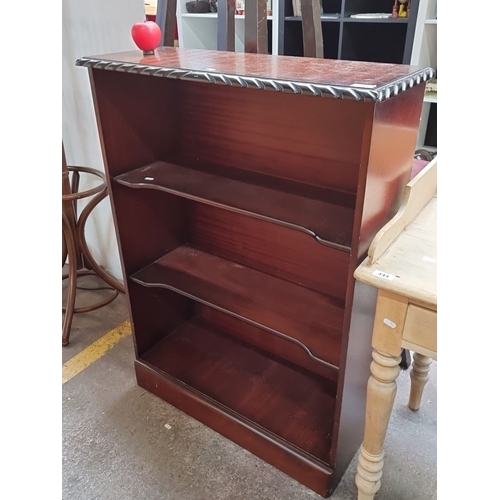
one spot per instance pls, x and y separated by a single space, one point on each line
419 377
380 400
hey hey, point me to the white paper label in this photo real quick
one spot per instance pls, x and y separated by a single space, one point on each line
386 276
390 323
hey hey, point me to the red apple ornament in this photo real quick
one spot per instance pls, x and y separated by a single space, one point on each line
147 36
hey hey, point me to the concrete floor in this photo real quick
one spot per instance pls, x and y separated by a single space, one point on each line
116 444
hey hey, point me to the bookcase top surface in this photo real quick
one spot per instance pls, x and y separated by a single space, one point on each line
364 81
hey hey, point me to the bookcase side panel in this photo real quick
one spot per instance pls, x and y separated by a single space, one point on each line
389 149
150 224
392 147
349 419
139 118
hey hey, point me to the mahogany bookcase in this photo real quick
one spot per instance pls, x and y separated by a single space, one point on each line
245 191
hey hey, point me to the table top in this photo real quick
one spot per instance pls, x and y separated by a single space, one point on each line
363 81
408 266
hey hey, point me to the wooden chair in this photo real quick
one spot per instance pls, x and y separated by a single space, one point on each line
255 26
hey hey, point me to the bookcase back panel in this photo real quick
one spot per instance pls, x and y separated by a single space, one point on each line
264 340
279 251
302 138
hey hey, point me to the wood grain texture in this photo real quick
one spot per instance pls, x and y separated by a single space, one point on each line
229 269
389 322
319 213
165 17
380 400
419 375
412 260
256 27
312 38
311 318
421 328
349 415
294 404
418 192
262 339
399 321
149 223
389 155
309 70
275 250
289 459
262 132
133 121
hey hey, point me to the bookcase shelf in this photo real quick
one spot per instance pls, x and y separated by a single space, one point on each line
241 215
291 405
324 214
290 311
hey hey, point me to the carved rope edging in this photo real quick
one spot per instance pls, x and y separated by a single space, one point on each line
321 90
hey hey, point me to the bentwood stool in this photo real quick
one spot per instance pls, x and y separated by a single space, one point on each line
74 246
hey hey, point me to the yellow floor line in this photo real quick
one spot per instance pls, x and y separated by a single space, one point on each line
94 351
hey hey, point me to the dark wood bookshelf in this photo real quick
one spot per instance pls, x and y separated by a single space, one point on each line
245 190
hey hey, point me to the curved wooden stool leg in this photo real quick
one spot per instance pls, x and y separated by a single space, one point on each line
379 402
72 257
419 377
82 244
64 249
81 262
